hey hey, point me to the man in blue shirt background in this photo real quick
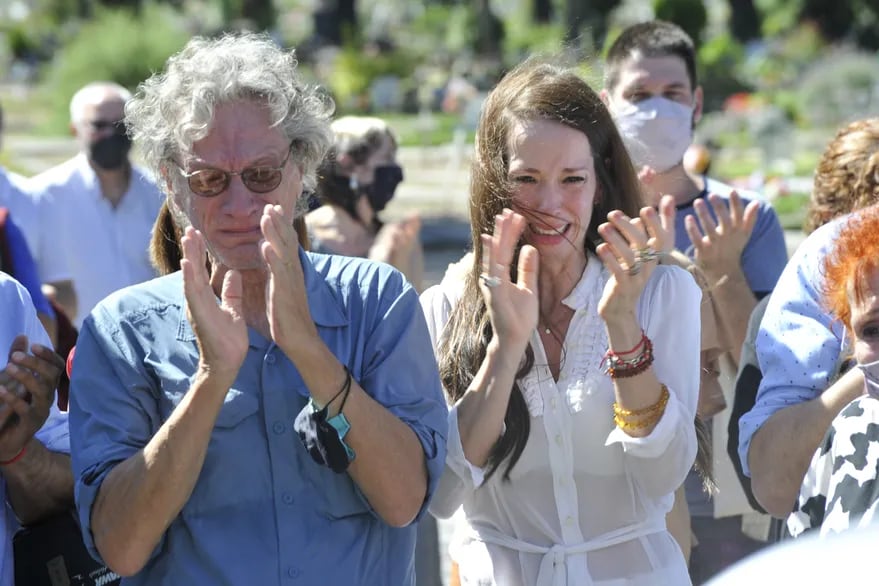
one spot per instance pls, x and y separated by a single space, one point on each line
189 467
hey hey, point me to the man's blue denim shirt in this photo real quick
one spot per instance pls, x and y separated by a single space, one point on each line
262 511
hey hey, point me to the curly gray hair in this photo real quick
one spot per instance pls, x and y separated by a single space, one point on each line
172 110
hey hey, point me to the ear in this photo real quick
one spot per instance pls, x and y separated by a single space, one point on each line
605 97
73 131
697 105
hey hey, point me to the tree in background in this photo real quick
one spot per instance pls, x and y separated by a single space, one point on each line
542 11
335 21
856 20
690 15
589 18
744 20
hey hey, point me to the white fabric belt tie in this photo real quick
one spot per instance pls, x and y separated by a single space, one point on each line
553 566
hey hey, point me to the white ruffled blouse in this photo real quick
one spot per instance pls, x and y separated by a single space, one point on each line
586 503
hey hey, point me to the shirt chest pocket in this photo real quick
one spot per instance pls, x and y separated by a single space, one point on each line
236 470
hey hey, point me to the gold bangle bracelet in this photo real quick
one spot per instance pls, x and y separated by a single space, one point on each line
641 424
659 405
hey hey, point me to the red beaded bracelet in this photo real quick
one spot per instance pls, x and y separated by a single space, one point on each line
617 367
15 458
632 351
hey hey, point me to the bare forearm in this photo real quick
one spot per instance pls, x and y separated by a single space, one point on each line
39 484
636 392
736 302
140 497
482 410
783 447
389 464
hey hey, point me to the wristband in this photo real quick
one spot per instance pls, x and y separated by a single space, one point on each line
15 458
323 438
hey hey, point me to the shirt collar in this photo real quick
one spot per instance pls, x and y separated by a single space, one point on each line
323 301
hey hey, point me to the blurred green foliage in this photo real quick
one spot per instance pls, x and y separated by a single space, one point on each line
354 70
432 130
719 70
114 46
690 15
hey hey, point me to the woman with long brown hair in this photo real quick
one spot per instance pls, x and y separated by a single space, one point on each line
571 359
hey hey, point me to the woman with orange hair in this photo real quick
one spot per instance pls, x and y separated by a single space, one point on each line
840 489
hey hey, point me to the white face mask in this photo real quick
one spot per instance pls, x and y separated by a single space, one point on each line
657 131
871 377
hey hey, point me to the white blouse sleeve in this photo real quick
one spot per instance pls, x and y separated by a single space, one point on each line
460 477
669 313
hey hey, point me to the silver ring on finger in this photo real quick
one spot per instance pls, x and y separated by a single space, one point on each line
646 254
489 281
635 268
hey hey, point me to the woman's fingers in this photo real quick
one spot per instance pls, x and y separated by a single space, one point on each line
660 224
499 247
607 255
619 246
529 264
632 229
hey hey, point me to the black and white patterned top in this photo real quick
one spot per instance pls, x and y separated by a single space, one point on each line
840 490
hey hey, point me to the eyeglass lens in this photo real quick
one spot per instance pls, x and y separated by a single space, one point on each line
210 182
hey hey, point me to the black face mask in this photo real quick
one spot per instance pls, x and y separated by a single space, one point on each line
340 187
381 191
111 152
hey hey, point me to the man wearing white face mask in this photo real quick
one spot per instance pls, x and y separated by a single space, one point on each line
652 91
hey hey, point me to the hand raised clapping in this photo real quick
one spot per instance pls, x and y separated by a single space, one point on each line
718 245
220 329
512 306
630 252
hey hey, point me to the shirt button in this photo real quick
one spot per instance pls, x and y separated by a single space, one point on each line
278 427
552 402
293 572
270 359
558 440
569 521
288 498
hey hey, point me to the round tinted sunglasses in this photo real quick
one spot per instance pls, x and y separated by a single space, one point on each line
210 182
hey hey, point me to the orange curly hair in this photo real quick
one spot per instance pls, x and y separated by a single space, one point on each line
848 267
847 177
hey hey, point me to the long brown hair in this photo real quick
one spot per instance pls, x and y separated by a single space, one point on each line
535 90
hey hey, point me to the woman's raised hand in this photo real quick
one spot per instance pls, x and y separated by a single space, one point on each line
660 224
512 306
630 251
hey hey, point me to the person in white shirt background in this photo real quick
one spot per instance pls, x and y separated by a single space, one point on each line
22 208
98 205
565 474
34 442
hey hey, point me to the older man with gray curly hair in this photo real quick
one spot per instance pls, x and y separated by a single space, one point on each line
265 415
